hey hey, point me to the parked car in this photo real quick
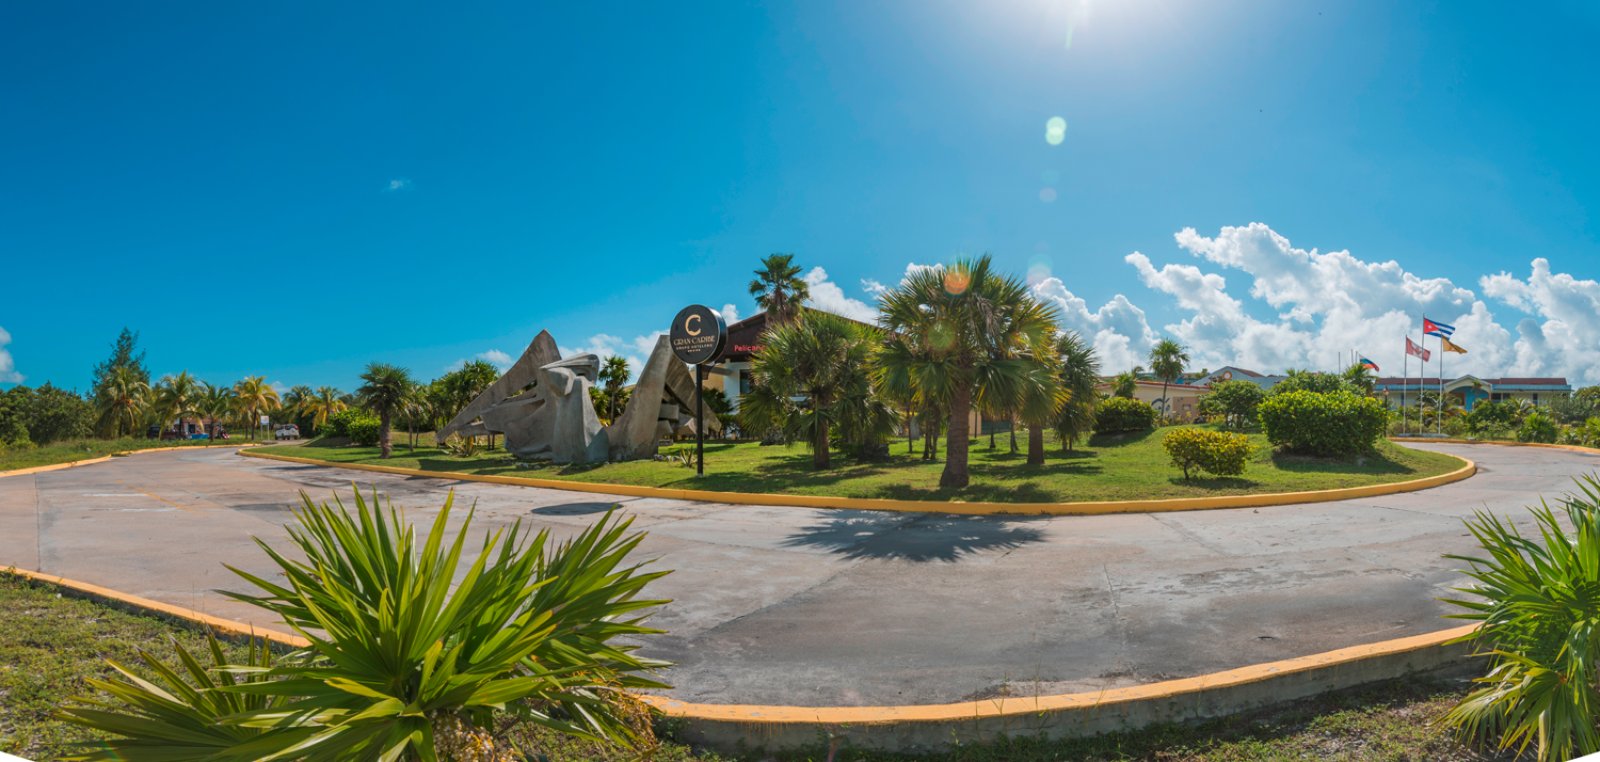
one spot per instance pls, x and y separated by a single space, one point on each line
287 431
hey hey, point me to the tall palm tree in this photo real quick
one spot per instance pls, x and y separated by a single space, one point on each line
255 397
811 358
1080 373
1041 402
294 400
216 403
384 390
945 324
324 402
614 374
176 398
778 288
121 400
1167 360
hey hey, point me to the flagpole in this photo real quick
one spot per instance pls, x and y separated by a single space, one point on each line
1439 423
1405 359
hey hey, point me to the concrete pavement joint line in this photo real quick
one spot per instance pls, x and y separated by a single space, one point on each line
919 506
747 715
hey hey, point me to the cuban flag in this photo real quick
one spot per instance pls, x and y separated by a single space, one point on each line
1441 330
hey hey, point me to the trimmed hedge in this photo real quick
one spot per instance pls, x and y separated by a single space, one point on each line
360 426
1328 424
1119 414
363 431
1214 452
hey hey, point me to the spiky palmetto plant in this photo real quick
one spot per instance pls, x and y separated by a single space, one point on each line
1538 602
409 650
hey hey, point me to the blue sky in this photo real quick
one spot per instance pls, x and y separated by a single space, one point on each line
297 189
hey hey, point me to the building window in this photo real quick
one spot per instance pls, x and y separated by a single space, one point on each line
744 382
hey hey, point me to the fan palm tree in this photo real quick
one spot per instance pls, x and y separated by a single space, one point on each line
255 397
176 398
778 288
812 358
121 401
1079 373
1167 359
1040 405
216 403
384 390
324 402
614 374
945 324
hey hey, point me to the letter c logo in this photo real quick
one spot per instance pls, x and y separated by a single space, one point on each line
689 323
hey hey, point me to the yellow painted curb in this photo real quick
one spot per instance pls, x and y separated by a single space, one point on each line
225 626
1000 708
921 506
118 454
1503 443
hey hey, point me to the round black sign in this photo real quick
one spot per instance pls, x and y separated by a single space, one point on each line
698 334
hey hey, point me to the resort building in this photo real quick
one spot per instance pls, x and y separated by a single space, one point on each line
1184 398
1470 390
1234 373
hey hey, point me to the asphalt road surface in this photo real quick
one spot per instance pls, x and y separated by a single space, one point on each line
775 605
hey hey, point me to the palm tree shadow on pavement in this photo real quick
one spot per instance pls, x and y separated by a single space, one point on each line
926 537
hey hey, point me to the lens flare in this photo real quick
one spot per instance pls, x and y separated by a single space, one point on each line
1050 176
1055 130
1038 266
1047 195
956 282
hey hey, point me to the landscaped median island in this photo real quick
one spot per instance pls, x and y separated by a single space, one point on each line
1109 467
15 457
51 645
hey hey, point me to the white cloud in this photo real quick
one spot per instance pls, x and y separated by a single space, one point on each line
398 184
280 387
730 313
8 368
828 297
636 350
1303 307
496 358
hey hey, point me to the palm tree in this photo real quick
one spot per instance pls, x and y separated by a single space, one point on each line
1167 359
1041 403
384 390
216 402
121 400
176 398
1360 378
614 375
324 402
255 398
1079 373
945 325
812 357
778 288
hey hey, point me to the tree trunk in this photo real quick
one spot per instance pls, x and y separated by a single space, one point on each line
819 445
1166 404
1035 446
1013 436
385 447
955 445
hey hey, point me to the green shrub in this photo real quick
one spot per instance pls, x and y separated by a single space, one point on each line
1213 452
419 641
1328 424
363 431
1233 403
1534 597
1119 414
1538 426
1313 381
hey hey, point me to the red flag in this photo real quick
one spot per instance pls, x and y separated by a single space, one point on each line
1416 351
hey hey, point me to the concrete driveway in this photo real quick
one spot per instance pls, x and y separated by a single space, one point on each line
775 605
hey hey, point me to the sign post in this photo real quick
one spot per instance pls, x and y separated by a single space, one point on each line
698 335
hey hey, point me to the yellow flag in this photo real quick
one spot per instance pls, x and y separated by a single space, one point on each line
1452 347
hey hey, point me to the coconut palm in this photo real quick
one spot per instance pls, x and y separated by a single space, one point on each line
1167 359
176 398
945 325
1079 373
778 288
254 398
384 390
121 400
324 402
294 400
813 357
216 403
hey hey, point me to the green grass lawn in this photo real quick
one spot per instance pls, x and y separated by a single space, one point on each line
13 457
1127 467
50 644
